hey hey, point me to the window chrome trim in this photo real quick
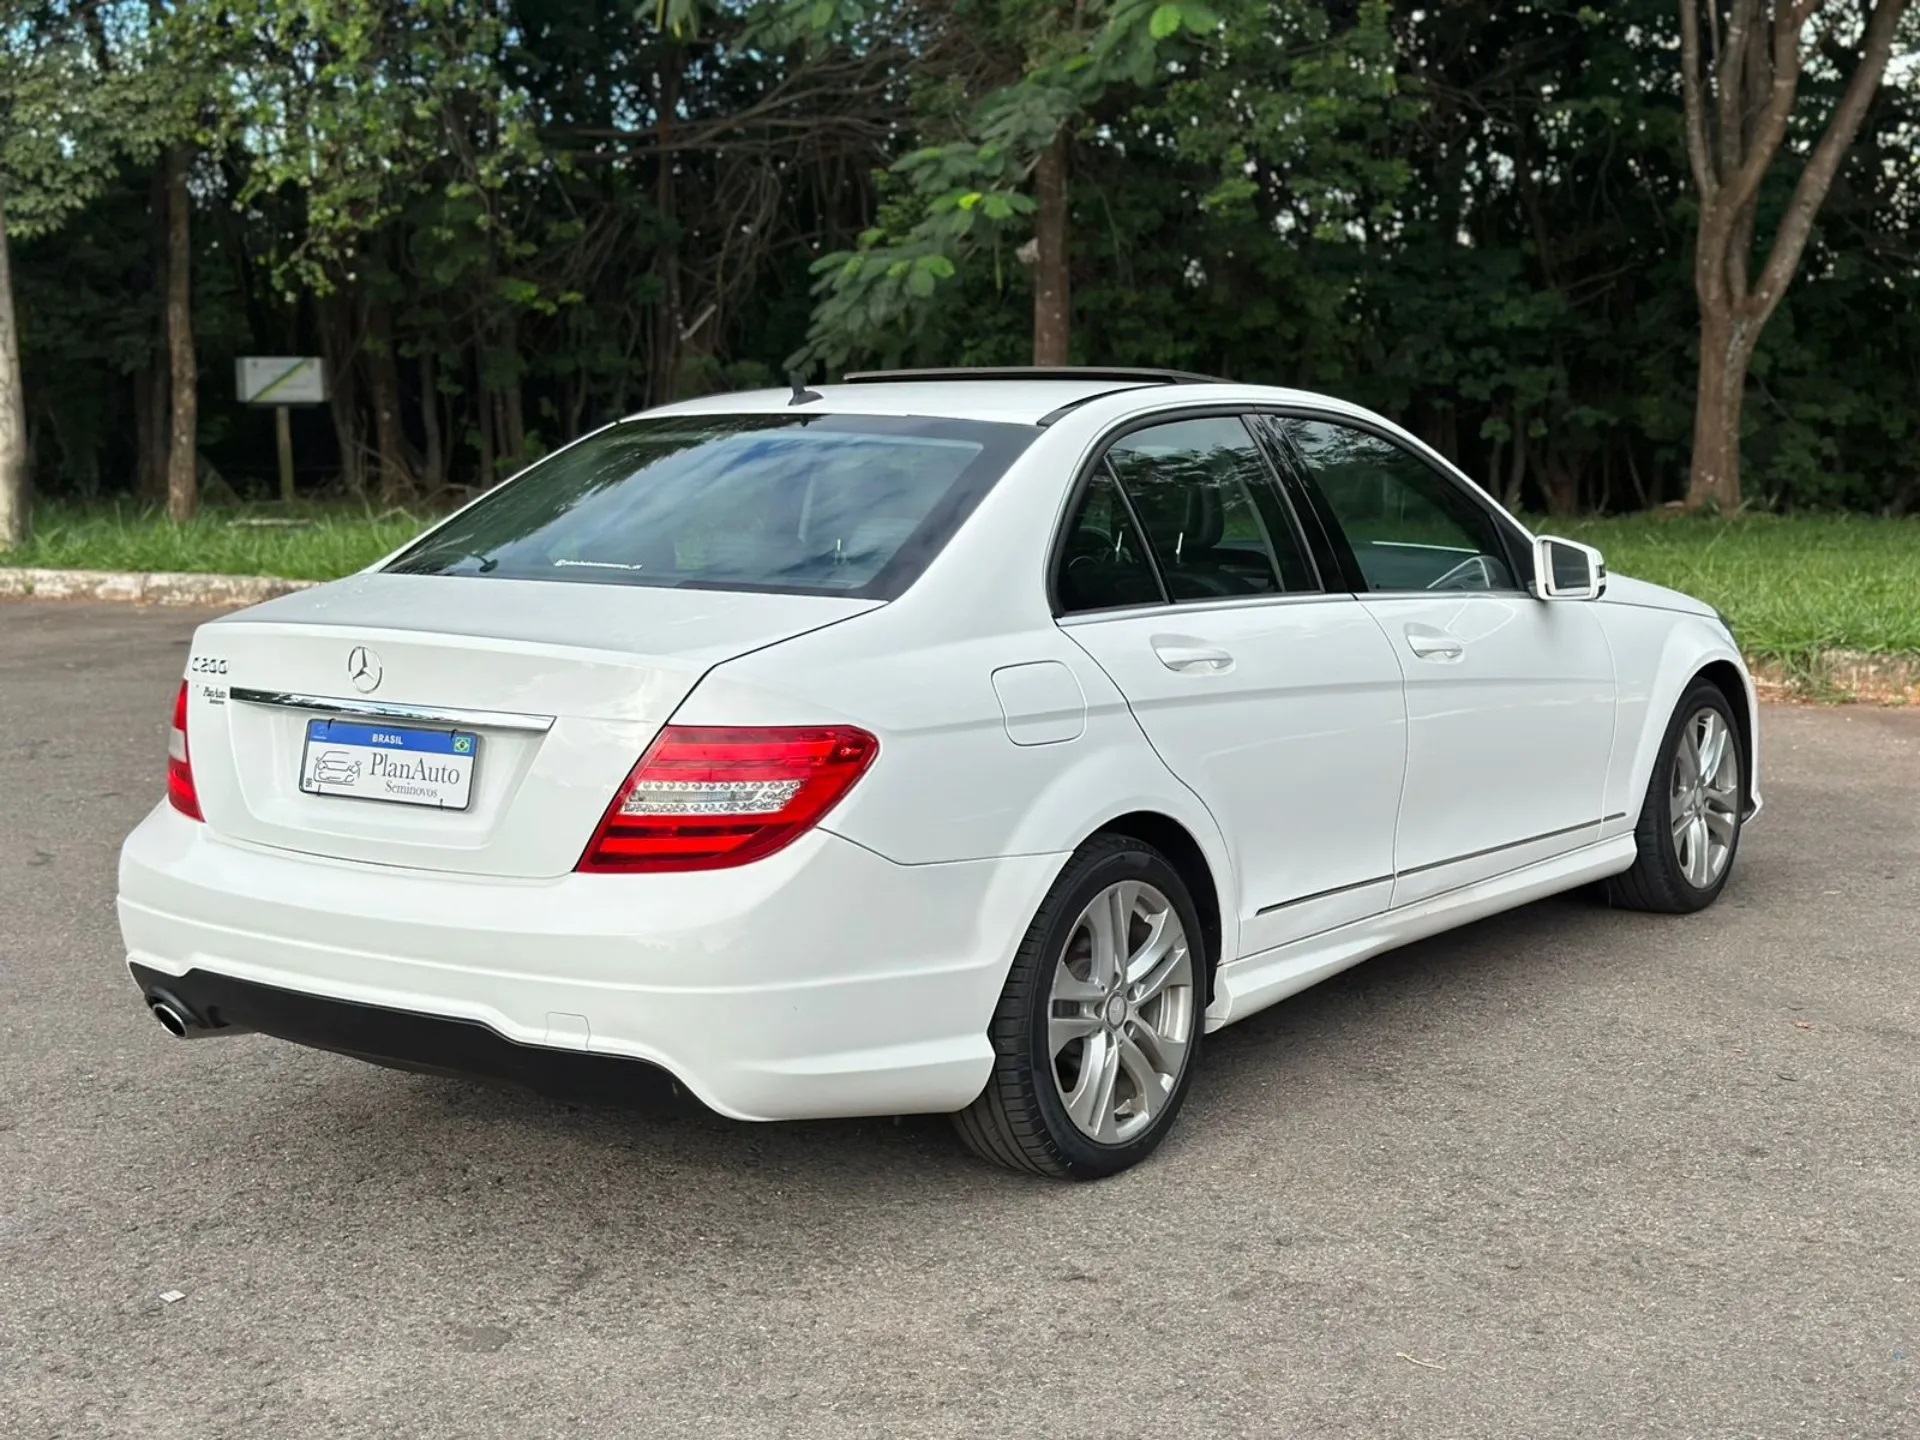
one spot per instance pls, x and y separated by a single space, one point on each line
391 710
1501 594
1193 607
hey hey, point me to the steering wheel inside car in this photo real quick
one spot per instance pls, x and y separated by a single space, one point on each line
1475 567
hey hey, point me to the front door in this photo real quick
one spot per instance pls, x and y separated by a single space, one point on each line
1277 701
1510 699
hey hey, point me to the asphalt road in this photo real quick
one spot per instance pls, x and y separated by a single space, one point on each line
1564 1173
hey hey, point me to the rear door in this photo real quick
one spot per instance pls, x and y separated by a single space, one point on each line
1510 699
1183 574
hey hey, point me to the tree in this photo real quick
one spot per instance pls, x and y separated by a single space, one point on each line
183 450
1007 156
504 222
53 160
1740 89
16 516
71 111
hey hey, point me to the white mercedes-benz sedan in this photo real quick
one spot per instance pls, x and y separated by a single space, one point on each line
952 741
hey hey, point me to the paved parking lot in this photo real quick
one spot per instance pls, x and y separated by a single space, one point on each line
1567 1172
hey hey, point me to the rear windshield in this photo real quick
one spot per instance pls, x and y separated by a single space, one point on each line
809 504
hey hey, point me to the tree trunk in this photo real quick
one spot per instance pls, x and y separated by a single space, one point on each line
664 382
513 426
146 425
337 318
16 516
1725 354
183 477
1517 473
389 433
152 378
1562 484
1738 83
160 382
1052 296
483 416
436 463
510 432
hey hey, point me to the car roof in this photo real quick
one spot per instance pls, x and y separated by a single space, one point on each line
1009 401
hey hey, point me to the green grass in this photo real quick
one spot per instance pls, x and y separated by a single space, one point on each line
1792 586
327 543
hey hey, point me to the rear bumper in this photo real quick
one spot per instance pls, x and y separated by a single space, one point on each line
821 981
398 1038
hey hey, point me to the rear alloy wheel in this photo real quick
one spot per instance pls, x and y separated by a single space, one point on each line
1096 1032
1689 828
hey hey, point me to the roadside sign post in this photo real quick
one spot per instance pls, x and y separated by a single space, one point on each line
281 381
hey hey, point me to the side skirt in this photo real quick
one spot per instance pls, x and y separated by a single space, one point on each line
1254 982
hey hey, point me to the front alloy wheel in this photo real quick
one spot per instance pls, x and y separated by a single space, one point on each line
1096 1032
1704 805
1689 828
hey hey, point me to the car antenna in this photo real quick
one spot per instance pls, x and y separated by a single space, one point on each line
801 395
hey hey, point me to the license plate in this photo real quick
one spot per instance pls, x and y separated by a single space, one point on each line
392 763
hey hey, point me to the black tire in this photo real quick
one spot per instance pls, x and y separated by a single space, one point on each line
1020 1120
1657 881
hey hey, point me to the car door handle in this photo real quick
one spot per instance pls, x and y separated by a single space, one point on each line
1192 659
1435 644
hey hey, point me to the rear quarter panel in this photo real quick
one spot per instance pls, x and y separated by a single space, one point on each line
950 784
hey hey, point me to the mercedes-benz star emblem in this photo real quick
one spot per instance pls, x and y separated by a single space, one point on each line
363 669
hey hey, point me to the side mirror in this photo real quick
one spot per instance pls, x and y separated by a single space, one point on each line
1567 570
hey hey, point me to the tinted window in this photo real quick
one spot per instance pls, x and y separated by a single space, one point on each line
1217 526
1410 527
1104 564
831 504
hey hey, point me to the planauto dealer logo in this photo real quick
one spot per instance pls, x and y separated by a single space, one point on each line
363 669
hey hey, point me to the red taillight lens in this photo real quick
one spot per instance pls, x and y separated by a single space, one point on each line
705 799
179 764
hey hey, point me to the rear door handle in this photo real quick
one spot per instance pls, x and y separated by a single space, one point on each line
1190 659
1434 644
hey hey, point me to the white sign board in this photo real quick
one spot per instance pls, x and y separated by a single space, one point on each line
280 380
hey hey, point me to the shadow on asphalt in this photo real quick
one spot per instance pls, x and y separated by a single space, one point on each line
651 1151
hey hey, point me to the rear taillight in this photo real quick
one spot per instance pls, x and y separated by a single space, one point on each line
705 799
179 764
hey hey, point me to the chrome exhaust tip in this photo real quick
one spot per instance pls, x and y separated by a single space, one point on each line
175 1018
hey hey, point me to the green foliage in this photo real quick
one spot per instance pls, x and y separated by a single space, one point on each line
73 105
310 544
351 103
507 221
948 203
1791 587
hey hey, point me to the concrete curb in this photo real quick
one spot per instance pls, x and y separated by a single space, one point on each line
145 589
1842 675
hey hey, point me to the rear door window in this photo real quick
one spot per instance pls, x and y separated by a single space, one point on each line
826 504
1104 565
1216 522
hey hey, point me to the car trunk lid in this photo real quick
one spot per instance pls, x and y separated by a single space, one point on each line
560 686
